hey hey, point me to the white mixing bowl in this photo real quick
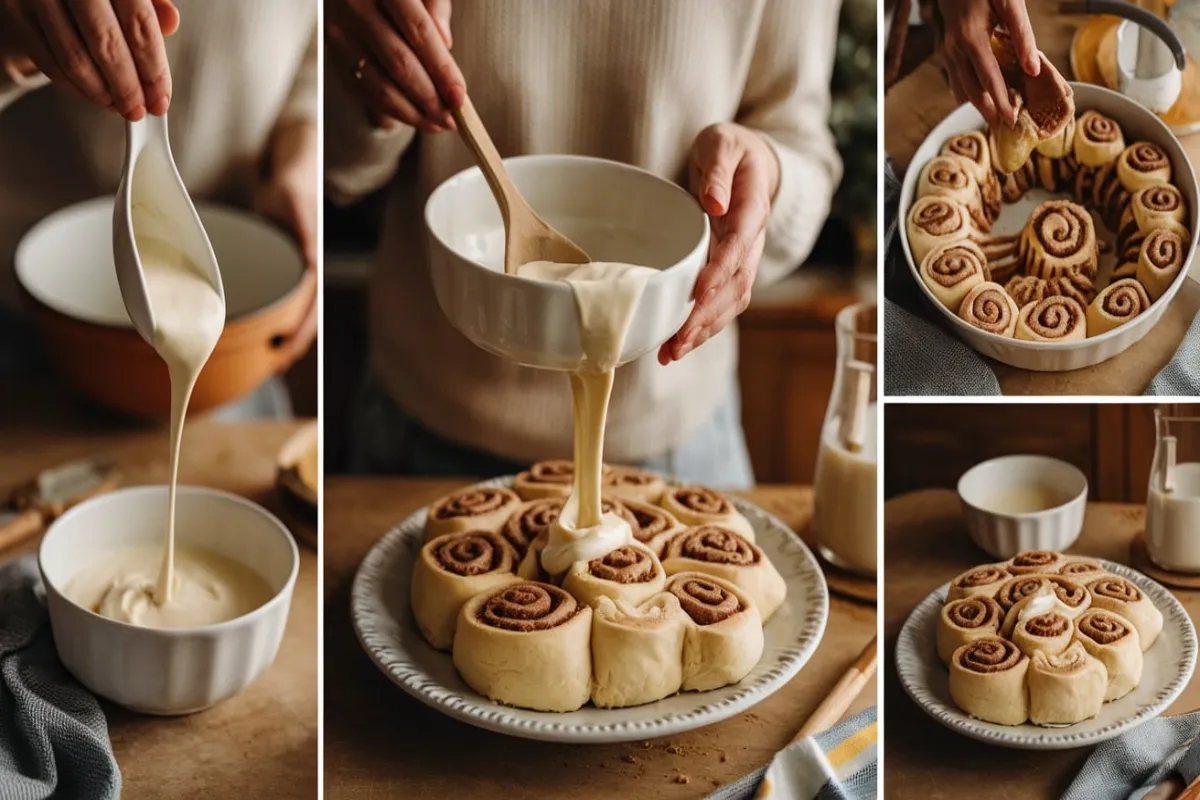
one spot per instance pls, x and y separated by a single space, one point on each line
175 671
615 212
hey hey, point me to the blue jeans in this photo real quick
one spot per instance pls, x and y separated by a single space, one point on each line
385 440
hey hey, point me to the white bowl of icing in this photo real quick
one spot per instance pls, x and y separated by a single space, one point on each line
615 212
1138 124
178 670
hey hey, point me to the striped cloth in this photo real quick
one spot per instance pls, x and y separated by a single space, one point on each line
840 764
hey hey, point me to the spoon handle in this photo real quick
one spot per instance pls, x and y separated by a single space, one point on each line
473 132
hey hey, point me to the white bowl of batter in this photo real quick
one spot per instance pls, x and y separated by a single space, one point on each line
233 560
615 212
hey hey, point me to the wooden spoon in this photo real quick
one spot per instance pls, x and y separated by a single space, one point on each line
527 237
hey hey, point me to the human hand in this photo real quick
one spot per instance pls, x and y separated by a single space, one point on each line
289 194
734 174
394 56
110 52
971 66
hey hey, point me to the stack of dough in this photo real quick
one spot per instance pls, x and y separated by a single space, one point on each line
1044 638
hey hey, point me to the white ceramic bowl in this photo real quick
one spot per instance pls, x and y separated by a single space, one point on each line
1003 535
168 671
615 212
1138 125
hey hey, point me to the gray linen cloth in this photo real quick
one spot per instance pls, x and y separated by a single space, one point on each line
922 359
53 736
1130 766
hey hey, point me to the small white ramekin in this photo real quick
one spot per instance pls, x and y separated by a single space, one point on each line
1004 535
174 671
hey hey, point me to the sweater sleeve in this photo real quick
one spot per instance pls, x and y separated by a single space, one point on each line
14 85
359 158
303 101
787 99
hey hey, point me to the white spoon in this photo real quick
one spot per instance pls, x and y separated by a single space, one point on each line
152 203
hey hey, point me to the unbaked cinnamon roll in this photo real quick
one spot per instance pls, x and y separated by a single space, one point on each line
1059 237
1053 174
1098 140
534 518
1124 598
1110 198
1114 641
637 652
655 525
973 146
952 270
1053 319
631 573
1035 562
1143 164
1119 303
1082 569
1060 145
547 479
527 645
952 177
1065 688
964 620
984 581
1073 598
628 483
988 307
1025 289
1157 207
725 639
987 680
1076 285
696 505
933 221
1160 260
717 550
472 509
1045 633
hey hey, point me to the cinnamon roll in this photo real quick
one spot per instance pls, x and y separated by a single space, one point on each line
933 221
1060 145
983 581
1157 206
1114 641
1013 185
988 307
1054 319
1076 285
526 645
473 509
452 569
637 651
1098 140
534 518
628 483
1003 263
1160 260
695 505
1073 598
1045 105
1066 687
719 551
1025 289
952 270
973 146
1122 597
1082 569
655 525
952 177
1059 238
1120 302
725 639
1143 164
1053 174
987 681
547 479
964 620
631 573
1049 633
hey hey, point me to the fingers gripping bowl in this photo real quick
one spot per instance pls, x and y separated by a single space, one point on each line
1078 351
615 212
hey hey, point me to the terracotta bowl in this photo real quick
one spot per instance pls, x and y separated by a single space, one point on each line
64 266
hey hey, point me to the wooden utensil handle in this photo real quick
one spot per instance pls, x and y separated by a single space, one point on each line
473 132
847 689
20 528
1192 792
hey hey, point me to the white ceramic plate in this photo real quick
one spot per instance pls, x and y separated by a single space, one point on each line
1138 125
1168 668
379 607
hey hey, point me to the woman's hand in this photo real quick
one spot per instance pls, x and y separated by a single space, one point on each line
109 51
734 174
972 68
289 194
394 56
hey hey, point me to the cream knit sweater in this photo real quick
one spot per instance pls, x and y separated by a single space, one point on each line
240 68
630 80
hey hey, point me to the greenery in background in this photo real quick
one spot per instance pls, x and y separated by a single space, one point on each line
853 115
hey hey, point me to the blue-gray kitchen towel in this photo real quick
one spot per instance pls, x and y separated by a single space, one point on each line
1131 765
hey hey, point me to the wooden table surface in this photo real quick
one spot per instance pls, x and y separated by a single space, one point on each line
261 743
915 105
381 743
925 545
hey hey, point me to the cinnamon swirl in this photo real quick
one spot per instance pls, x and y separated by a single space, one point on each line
1073 599
973 146
695 505
1160 260
637 652
628 483
987 681
952 177
450 570
1058 239
547 479
1122 597
631 573
720 551
984 581
527 645
1025 289
1143 164
951 270
531 522
724 640
988 307
1035 562
473 509
1054 319
655 525
1098 140
964 620
933 221
1120 302
1157 207
1045 633
1082 569
1066 687
1114 641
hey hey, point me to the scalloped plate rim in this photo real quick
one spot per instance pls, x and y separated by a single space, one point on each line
1046 738
629 724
